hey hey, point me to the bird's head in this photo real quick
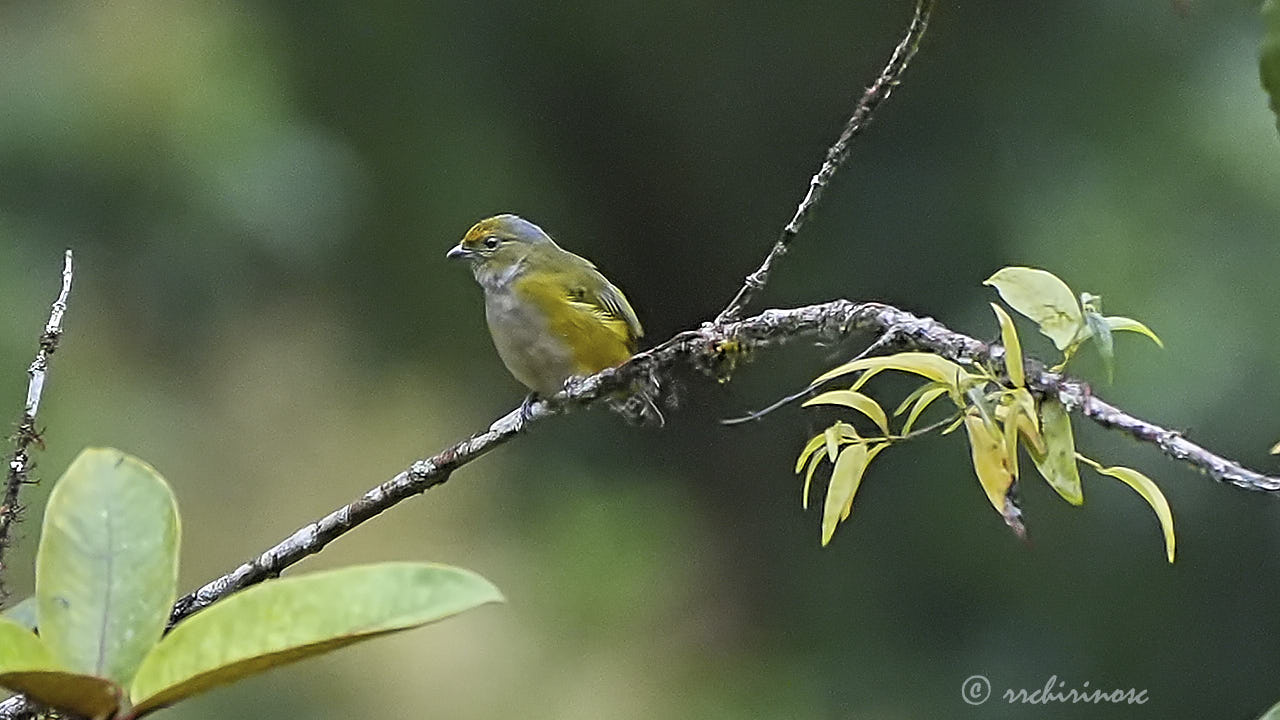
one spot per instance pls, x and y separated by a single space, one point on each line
499 243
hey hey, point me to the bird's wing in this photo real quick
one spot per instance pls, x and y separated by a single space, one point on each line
605 301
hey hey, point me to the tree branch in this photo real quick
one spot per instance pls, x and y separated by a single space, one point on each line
26 435
709 349
836 155
712 349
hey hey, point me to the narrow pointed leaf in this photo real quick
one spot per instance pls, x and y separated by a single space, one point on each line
814 462
1042 297
1151 493
914 395
933 367
28 666
107 565
282 621
1012 347
832 437
1057 464
22 613
990 462
810 448
845 478
857 401
1124 324
925 400
1101 333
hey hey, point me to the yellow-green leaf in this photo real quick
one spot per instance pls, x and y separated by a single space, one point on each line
1044 298
990 461
814 462
1012 347
28 666
282 621
832 437
845 478
810 448
915 395
933 367
107 564
1275 449
856 400
1151 493
922 402
1116 322
1057 463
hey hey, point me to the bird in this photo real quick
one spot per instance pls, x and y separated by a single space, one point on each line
552 315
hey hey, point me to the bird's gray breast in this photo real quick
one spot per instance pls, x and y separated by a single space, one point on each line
524 341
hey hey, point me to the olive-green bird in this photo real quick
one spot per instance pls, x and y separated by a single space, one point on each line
552 315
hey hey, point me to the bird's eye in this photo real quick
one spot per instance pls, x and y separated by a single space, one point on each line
491 242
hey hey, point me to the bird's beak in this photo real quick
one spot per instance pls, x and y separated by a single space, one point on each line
459 252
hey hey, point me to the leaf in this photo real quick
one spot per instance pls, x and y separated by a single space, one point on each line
21 649
1124 324
1151 493
1269 66
922 402
814 462
1012 347
915 395
1101 332
1275 449
990 462
22 613
1042 297
282 621
832 437
845 478
810 448
855 400
27 666
933 367
1057 463
106 568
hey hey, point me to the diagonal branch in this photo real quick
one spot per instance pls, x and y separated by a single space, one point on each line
709 348
27 435
836 155
712 349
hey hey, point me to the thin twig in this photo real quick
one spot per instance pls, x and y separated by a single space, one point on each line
836 155
884 341
20 461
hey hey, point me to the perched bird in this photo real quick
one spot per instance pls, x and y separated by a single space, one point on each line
552 315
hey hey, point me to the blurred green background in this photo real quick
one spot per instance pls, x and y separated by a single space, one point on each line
260 196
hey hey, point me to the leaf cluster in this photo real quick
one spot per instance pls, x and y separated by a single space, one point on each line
999 413
106 574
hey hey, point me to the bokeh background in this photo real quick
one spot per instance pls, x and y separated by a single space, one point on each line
260 196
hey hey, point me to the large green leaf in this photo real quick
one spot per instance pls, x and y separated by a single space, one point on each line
1270 63
1044 298
282 621
28 666
106 568
1057 464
